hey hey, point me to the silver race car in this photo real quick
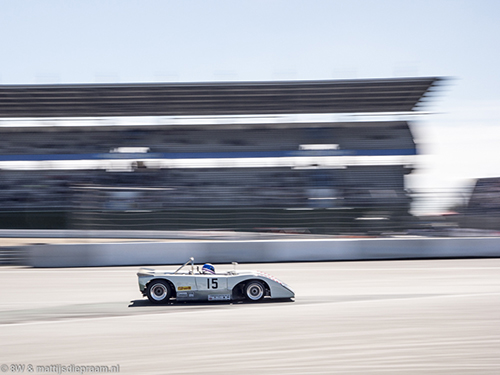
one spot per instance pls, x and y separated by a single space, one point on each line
207 285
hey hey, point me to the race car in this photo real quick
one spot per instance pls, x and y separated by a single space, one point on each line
207 285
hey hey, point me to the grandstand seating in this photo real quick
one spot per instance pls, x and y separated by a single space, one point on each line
363 136
355 186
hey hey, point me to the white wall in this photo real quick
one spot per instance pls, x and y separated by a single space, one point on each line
150 253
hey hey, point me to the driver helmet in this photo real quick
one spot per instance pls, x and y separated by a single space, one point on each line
208 268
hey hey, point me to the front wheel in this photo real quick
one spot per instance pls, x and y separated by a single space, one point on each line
158 291
254 291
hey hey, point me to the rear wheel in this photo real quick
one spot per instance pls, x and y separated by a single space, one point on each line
254 291
158 291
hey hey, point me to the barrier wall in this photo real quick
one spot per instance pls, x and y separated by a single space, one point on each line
155 253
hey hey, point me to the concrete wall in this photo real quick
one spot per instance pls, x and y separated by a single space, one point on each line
151 253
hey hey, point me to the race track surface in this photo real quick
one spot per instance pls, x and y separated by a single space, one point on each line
399 317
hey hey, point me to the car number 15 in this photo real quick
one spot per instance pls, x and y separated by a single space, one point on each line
212 283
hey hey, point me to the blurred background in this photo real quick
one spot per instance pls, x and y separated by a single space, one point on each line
327 157
330 118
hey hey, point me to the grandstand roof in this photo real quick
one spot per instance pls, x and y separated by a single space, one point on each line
220 98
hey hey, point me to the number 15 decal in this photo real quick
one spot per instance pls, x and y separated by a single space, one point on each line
212 284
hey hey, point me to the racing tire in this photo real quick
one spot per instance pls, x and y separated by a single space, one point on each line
255 291
158 291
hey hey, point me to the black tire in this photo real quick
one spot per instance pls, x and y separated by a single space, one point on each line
255 291
158 291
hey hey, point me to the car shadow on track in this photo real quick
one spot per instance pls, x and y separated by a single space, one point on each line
147 303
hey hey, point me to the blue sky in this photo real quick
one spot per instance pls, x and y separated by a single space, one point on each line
160 41
95 41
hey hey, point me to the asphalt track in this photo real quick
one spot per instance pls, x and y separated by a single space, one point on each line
399 317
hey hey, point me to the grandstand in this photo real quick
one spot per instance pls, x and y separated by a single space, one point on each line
218 167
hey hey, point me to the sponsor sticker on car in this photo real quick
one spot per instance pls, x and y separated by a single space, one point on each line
184 288
219 297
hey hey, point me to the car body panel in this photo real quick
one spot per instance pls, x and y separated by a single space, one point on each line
196 286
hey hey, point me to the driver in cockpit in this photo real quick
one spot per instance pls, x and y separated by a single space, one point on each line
208 269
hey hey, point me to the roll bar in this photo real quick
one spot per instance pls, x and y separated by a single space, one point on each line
191 260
